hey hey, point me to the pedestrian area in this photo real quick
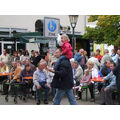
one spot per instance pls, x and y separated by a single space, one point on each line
31 101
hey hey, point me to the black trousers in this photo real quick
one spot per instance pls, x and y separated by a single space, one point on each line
26 87
5 86
91 89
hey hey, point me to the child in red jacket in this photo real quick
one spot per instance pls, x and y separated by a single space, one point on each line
63 41
66 46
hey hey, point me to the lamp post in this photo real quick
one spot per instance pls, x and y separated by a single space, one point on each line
14 39
73 21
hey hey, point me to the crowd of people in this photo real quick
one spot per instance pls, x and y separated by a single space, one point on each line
61 73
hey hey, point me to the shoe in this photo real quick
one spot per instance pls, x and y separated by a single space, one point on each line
79 98
24 99
38 102
76 96
45 102
91 100
102 104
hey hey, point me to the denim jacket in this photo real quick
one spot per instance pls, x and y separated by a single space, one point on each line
112 78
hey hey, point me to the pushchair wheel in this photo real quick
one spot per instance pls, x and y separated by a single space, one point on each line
15 100
6 98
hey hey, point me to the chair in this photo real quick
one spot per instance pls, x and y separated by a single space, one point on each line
85 88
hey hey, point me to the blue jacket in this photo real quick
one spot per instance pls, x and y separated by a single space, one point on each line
111 78
78 57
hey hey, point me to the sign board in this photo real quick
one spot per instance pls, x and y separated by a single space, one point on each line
52 46
51 27
52 43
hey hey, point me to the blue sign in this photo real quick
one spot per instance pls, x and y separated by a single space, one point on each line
51 26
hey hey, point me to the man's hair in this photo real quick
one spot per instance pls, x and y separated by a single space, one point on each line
106 51
107 61
42 62
98 50
59 49
113 63
76 62
93 54
27 65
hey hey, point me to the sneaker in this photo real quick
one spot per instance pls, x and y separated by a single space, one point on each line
38 102
76 96
79 98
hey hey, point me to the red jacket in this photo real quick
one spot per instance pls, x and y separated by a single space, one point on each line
99 57
67 49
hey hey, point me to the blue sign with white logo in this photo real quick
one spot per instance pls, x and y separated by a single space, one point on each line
51 26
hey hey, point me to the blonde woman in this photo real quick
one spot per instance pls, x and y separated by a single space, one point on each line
93 73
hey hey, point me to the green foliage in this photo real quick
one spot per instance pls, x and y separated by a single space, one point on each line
107 29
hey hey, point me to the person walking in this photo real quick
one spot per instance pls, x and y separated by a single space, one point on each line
63 79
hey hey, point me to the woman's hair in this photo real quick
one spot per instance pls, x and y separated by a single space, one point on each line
90 63
87 71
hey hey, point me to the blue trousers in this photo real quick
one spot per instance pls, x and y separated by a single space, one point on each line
38 92
60 93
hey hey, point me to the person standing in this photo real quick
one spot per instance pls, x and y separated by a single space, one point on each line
105 57
63 79
81 58
98 56
5 57
114 56
116 72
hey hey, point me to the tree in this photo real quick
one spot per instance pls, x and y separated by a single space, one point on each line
107 29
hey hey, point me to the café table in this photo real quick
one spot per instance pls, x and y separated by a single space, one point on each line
96 80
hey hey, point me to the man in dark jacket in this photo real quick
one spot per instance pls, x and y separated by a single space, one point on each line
116 72
104 71
63 79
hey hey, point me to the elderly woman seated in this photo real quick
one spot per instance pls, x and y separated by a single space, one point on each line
3 68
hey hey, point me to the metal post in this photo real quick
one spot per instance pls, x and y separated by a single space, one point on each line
73 28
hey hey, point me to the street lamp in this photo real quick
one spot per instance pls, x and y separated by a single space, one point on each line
73 21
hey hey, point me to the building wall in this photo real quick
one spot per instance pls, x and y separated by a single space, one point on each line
28 21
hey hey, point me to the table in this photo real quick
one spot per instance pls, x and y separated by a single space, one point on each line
4 74
27 78
99 79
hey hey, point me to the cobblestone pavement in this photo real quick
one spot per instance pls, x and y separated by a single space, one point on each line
33 102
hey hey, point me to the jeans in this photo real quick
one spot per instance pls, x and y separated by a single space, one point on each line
38 92
106 96
60 93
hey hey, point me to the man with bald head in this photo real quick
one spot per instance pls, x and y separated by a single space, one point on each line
40 80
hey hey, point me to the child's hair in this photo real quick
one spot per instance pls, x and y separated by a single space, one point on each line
66 36
87 71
